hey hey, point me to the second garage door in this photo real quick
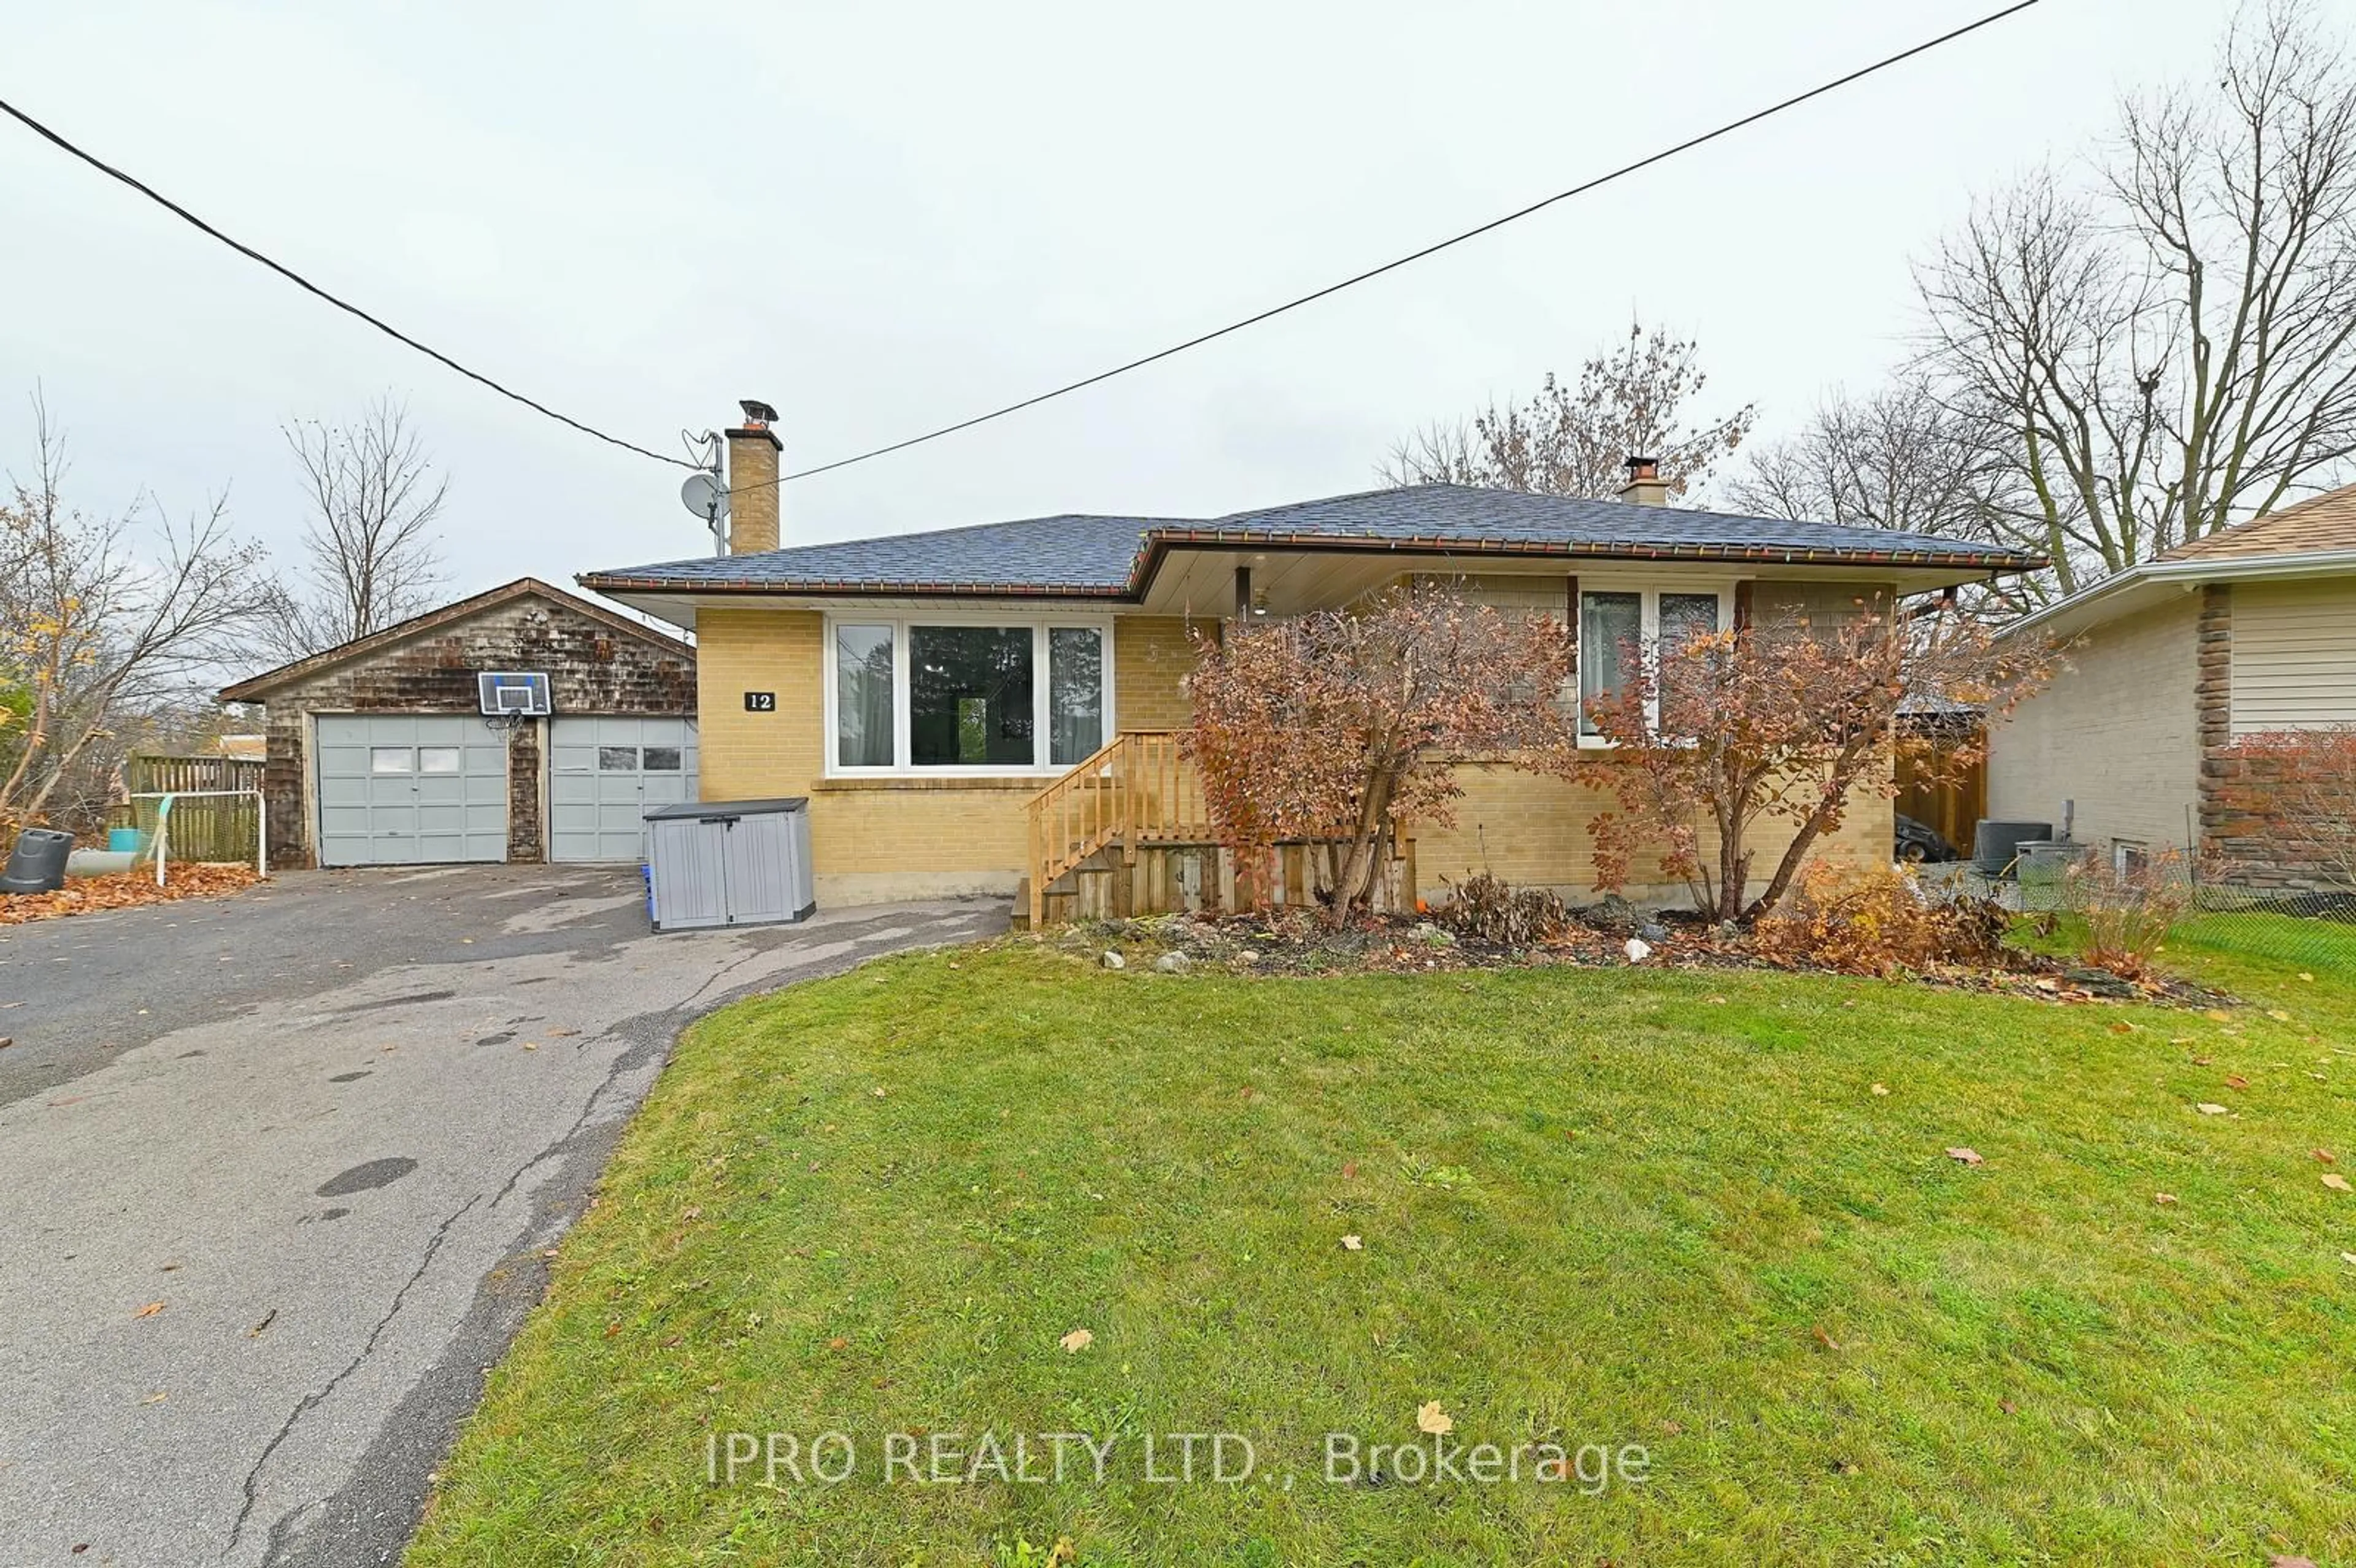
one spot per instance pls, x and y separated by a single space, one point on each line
411 790
605 775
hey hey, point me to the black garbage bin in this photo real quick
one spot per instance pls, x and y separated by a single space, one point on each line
37 865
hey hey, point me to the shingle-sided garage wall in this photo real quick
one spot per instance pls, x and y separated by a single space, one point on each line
593 668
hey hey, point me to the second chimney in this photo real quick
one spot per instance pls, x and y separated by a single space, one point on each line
752 500
1645 487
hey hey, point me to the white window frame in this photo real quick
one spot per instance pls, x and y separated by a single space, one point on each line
1649 590
900 622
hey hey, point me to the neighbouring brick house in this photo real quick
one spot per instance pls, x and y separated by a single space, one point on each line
378 752
972 709
2247 632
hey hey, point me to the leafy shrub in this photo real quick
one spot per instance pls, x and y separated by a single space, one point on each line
1485 907
1880 921
2128 913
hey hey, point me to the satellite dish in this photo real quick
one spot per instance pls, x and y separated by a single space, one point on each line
703 494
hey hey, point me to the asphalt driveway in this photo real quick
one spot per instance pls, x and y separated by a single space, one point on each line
277 1172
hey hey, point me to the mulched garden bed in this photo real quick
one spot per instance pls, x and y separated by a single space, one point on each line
125 890
1298 942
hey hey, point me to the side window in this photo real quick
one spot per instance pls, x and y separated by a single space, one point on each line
1610 626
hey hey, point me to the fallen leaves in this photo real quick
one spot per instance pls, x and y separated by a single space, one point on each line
149 1310
125 889
1430 1418
2209 1108
2164 1199
1354 1244
1966 1156
1816 1332
2323 1155
1349 1170
1881 1089
1075 1341
2235 1081
2336 1182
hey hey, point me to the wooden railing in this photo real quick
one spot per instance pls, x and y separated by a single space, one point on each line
1138 789
1141 794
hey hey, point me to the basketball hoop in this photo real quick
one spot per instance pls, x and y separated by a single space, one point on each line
507 698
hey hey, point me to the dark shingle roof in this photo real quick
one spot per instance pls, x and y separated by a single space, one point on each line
1070 553
1114 556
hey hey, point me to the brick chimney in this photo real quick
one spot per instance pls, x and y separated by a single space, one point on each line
753 499
1645 487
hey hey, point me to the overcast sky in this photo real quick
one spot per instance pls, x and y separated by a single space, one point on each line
884 217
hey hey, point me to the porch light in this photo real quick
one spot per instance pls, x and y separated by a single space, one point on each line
1259 602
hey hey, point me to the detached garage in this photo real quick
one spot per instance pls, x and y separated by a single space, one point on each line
380 754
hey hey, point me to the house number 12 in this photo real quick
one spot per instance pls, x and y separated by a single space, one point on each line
760 702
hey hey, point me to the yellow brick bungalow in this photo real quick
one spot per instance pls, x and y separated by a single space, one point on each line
976 709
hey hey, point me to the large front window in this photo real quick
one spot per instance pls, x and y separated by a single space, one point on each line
1619 626
970 696
977 696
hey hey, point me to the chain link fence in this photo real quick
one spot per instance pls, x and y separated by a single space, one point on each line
2311 929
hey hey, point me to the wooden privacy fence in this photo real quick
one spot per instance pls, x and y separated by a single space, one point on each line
1934 792
208 826
154 775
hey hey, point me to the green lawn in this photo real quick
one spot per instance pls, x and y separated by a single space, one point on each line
1598 1207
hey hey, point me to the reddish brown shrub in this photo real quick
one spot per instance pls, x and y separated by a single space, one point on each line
1878 921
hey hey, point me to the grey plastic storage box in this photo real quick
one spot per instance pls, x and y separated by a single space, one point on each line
729 862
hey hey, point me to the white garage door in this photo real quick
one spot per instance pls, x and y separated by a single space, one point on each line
411 790
605 775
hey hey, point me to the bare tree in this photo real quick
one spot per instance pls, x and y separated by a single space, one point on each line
1894 459
370 555
2173 348
1575 439
104 621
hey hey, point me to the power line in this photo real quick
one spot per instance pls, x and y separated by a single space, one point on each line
305 284
1273 311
